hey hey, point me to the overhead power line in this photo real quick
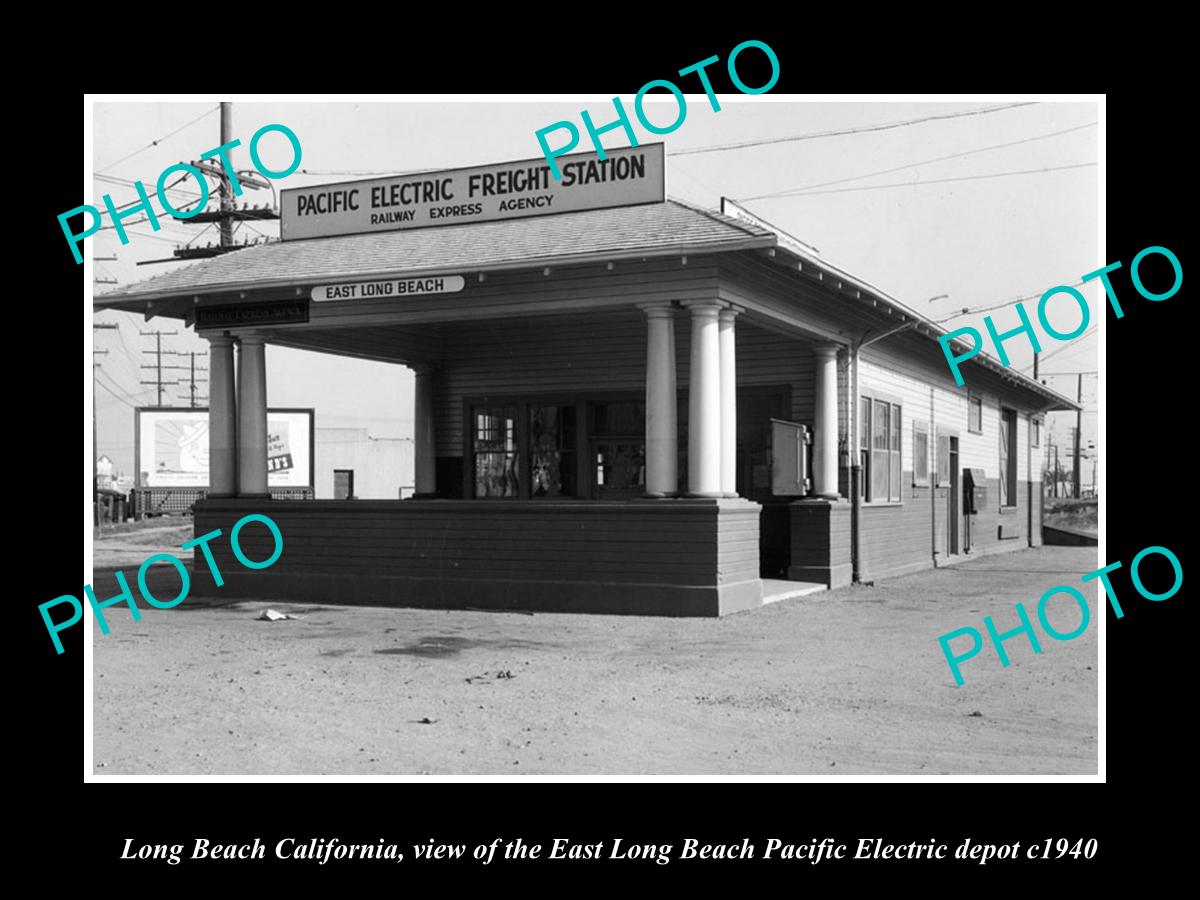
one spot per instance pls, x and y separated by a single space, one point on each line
921 162
905 184
156 142
967 310
1072 345
862 129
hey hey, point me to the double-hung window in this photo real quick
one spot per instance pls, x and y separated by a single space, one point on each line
880 449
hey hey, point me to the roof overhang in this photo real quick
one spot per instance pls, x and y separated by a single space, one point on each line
797 255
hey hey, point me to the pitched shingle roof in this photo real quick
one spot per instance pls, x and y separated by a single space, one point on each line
651 229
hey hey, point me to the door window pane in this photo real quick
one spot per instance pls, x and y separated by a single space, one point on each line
620 469
552 451
495 440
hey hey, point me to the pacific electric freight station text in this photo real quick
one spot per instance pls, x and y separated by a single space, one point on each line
479 184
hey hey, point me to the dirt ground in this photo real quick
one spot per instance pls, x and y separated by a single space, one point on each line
849 682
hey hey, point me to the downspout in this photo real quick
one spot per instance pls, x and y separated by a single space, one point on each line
932 440
854 413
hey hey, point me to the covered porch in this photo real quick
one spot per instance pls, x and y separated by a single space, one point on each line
589 437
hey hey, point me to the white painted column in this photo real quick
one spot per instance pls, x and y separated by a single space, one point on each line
662 432
222 417
252 416
728 403
825 422
704 402
424 444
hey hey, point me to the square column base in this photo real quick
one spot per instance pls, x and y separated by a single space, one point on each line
821 542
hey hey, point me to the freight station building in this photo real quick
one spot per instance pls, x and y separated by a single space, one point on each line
624 403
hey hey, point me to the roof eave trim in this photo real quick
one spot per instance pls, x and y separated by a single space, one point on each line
747 243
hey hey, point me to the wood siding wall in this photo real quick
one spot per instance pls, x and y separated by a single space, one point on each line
677 557
594 353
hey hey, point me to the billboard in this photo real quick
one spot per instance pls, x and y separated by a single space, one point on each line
171 447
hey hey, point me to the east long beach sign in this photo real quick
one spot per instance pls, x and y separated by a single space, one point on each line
407 287
513 190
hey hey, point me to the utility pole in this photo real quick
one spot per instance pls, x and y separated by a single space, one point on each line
1078 432
105 280
226 224
158 352
95 441
1056 471
227 212
192 381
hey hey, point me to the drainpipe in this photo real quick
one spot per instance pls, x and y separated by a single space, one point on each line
932 438
854 414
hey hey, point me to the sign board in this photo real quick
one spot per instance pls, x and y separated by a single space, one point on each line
371 290
273 313
626 177
171 448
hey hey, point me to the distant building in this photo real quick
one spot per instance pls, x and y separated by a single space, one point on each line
353 463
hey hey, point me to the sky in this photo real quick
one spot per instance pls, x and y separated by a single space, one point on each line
904 208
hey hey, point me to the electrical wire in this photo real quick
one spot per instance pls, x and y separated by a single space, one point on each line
903 184
129 182
155 143
139 200
128 398
1071 345
863 129
1040 137
967 310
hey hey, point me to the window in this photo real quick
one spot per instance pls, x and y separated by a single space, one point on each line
619 449
880 449
920 454
548 449
552 462
943 460
975 414
343 484
497 473
1035 426
1008 457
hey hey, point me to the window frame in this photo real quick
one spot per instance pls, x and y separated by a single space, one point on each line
919 426
972 397
582 401
894 454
